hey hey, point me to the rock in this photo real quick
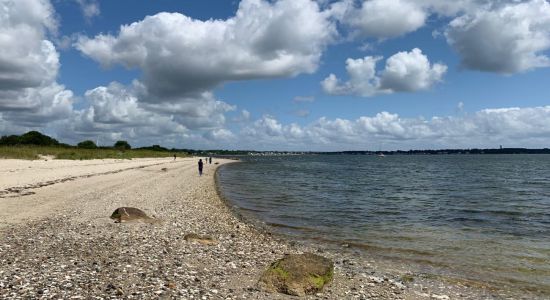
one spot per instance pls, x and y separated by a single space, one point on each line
399 285
298 274
375 279
164 169
205 240
124 214
170 285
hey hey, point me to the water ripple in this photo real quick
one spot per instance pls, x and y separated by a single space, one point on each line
486 216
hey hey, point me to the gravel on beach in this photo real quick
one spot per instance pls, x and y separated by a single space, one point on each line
59 242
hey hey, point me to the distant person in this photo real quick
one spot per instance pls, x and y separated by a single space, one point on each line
210 160
200 167
174 156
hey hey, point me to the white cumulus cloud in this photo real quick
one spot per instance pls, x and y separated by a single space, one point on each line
410 71
512 127
403 72
385 18
29 65
180 55
183 59
509 38
89 8
115 112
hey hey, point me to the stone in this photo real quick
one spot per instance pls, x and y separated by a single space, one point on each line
125 214
201 239
298 274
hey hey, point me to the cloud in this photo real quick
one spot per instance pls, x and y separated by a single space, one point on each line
385 18
301 113
298 99
220 135
404 72
507 39
244 116
115 112
115 109
180 55
460 106
514 127
89 8
29 93
410 71
183 59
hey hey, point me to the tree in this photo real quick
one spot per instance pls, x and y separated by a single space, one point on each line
87 145
10 140
122 145
155 148
37 138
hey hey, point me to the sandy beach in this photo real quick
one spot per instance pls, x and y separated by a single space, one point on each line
58 242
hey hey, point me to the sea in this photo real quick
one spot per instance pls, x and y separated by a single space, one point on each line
481 218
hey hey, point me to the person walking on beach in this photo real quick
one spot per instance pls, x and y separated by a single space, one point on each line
174 156
200 167
210 160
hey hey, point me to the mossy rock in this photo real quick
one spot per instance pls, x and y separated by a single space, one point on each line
298 274
125 214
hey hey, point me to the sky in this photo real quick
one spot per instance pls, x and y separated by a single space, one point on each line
302 75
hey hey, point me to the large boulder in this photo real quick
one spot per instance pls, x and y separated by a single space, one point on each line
125 214
297 274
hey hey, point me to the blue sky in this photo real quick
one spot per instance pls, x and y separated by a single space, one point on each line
279 75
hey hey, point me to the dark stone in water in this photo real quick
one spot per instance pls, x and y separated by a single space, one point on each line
298 274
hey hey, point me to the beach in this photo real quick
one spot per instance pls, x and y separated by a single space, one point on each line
58 242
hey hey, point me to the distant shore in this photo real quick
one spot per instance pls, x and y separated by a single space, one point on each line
57 241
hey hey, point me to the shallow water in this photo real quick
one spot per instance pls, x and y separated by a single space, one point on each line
476 217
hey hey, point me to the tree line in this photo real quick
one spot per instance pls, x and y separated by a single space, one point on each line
35 138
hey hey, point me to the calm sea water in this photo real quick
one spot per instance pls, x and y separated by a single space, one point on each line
477 217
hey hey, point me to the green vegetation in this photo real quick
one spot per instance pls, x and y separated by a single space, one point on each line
87 145
407 278
158 148
122 145
29 138
277 269
320 280
34 145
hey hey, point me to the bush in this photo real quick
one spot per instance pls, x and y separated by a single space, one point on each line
10 140
87 145
29 138
122 145
155 148
37 138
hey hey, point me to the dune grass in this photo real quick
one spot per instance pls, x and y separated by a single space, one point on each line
35 152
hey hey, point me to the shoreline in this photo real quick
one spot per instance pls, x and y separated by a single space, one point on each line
361 253
62 244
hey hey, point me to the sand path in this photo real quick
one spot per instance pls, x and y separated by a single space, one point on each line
30 190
